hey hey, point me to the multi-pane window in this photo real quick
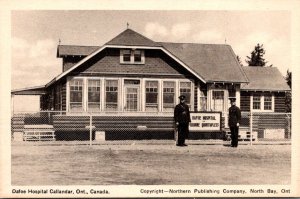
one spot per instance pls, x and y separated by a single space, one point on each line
94 95
76 95
256 102
168 95
262 102
111 94
126 55
137 56
132 56
268 102
218 100
151 95
185 89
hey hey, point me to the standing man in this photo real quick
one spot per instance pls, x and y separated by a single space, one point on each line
234 122
182 119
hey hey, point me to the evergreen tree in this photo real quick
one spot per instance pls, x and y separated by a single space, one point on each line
288 96
257 57
288 78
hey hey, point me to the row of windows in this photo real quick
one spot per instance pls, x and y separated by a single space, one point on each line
132 95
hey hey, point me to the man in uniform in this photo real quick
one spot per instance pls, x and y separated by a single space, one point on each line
182 119
234 122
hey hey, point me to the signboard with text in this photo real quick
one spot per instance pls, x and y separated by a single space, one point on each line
205 121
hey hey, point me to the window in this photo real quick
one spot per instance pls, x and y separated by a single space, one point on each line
268 102
137 56
111 94
151 95
256 102
185 89
168 95
262 102
76 95
94 95
126 55
132 56
218 100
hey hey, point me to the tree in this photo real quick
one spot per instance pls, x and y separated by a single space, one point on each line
288 96
257 56
239 60
288 78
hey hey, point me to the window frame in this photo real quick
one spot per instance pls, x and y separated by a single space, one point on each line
118 93
152 105
82 94
165 109
100 93
262 102
132 56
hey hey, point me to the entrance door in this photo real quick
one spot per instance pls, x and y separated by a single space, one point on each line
131 98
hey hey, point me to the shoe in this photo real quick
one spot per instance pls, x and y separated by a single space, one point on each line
179 145
184 145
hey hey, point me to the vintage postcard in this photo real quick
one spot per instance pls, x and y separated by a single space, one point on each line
147 99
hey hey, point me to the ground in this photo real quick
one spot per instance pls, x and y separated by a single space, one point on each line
149 164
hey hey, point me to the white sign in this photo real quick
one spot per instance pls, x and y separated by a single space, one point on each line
205 121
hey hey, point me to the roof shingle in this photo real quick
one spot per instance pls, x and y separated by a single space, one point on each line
71 50
264 79
214 62
132 38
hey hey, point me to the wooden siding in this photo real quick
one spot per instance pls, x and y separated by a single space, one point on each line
280 102
112 123
196 96
64 96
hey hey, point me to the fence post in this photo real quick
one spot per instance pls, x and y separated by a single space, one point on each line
91 130
251 126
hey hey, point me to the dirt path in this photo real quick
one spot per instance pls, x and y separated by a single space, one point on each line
150 164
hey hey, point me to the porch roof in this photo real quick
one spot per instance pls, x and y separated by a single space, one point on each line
37 90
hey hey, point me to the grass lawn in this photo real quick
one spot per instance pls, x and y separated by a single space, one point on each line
34 164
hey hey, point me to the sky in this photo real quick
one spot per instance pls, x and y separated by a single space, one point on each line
36 34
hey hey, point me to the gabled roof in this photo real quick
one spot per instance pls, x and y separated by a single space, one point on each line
214 62
71 50
132 38
208 62
264 79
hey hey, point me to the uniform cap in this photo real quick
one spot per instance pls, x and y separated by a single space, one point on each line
182 97
232 99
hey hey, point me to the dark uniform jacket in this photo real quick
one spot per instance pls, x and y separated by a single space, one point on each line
234 116
182 114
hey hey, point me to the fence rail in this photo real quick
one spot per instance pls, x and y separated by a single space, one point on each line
60 125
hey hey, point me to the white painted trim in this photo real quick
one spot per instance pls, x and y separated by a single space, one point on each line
262 103
124 92
238 94
225 100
